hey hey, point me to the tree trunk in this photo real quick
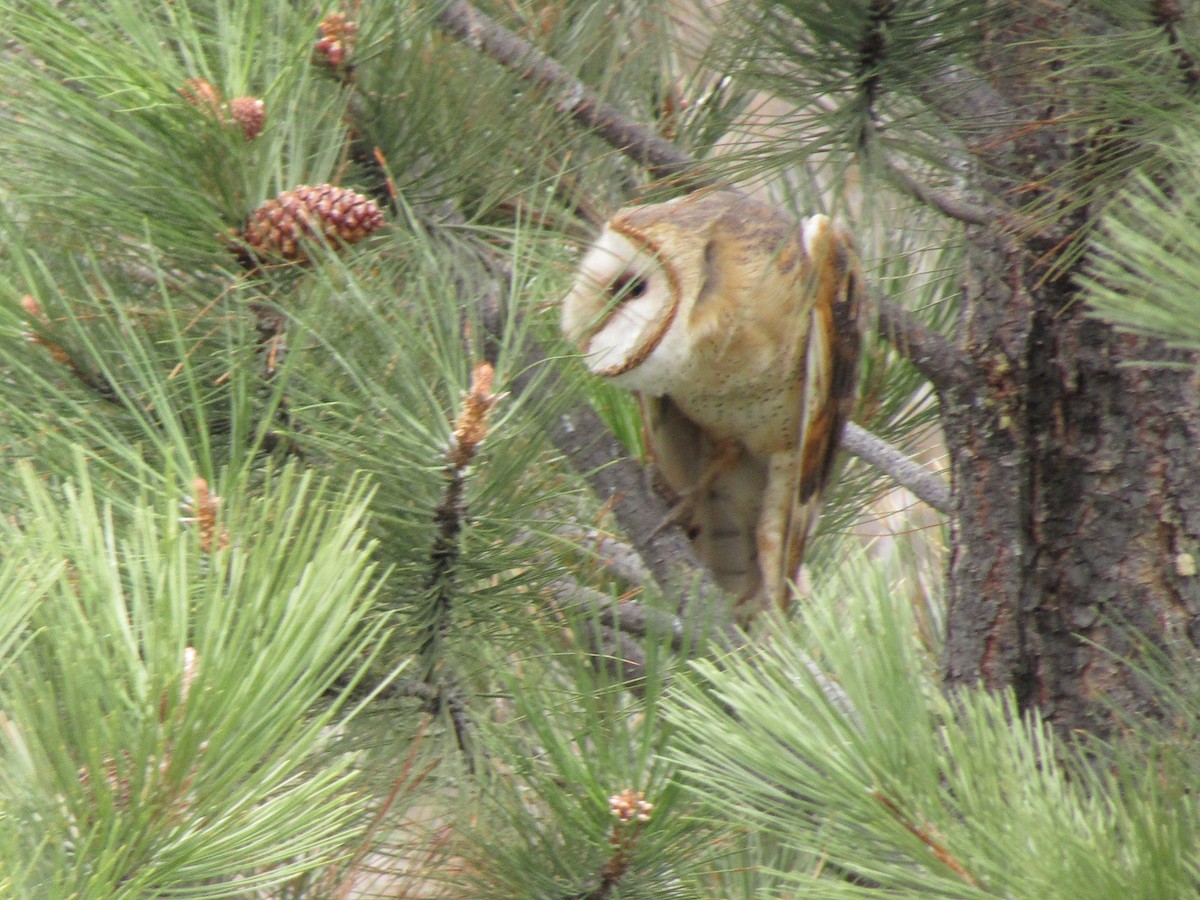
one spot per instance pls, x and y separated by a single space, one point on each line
1077 506
1075 463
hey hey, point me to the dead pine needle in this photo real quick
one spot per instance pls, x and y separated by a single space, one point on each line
930 839
34 310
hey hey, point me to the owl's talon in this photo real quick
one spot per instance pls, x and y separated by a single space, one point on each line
680 512
725 458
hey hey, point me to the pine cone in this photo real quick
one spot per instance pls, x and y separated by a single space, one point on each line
336 43
279 227
245 112
202 95
249 112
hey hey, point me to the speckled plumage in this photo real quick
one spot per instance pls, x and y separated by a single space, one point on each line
738 328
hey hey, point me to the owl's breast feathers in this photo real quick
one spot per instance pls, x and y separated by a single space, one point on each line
773 348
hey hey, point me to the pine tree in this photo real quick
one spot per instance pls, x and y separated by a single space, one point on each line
329 573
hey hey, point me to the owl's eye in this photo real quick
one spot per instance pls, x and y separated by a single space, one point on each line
628 287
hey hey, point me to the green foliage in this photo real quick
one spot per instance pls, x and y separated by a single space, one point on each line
1144 278
576 738
165 718
834 737
381 370
141 366
109 143
177 690
850 75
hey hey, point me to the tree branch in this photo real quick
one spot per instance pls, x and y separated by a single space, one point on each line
883 456
952 207
439 697
482 33
1167 15
637 619
586 441
934 356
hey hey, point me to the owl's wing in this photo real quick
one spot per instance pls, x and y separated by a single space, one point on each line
830 373
723 514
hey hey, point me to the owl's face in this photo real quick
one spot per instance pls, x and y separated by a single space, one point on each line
669 290
623 300
628 308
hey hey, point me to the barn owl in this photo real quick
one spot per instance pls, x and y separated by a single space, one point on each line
738 328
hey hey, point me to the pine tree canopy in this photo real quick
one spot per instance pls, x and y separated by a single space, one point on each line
329 571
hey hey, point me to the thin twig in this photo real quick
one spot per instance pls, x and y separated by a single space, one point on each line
482 33
94 381
872 51
469 430
437 698
406 782
934 357
883 456
952 207
1167 15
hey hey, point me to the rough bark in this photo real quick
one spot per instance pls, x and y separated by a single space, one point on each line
1077 508
1076 498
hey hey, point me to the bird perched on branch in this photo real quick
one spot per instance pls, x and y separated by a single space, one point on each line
739 329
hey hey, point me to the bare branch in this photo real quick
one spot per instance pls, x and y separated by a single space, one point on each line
883 456
639 620
586 441
934 356
953 207
618 558
482 33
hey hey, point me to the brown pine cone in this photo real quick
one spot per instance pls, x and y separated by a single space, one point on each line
279 228
248 112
